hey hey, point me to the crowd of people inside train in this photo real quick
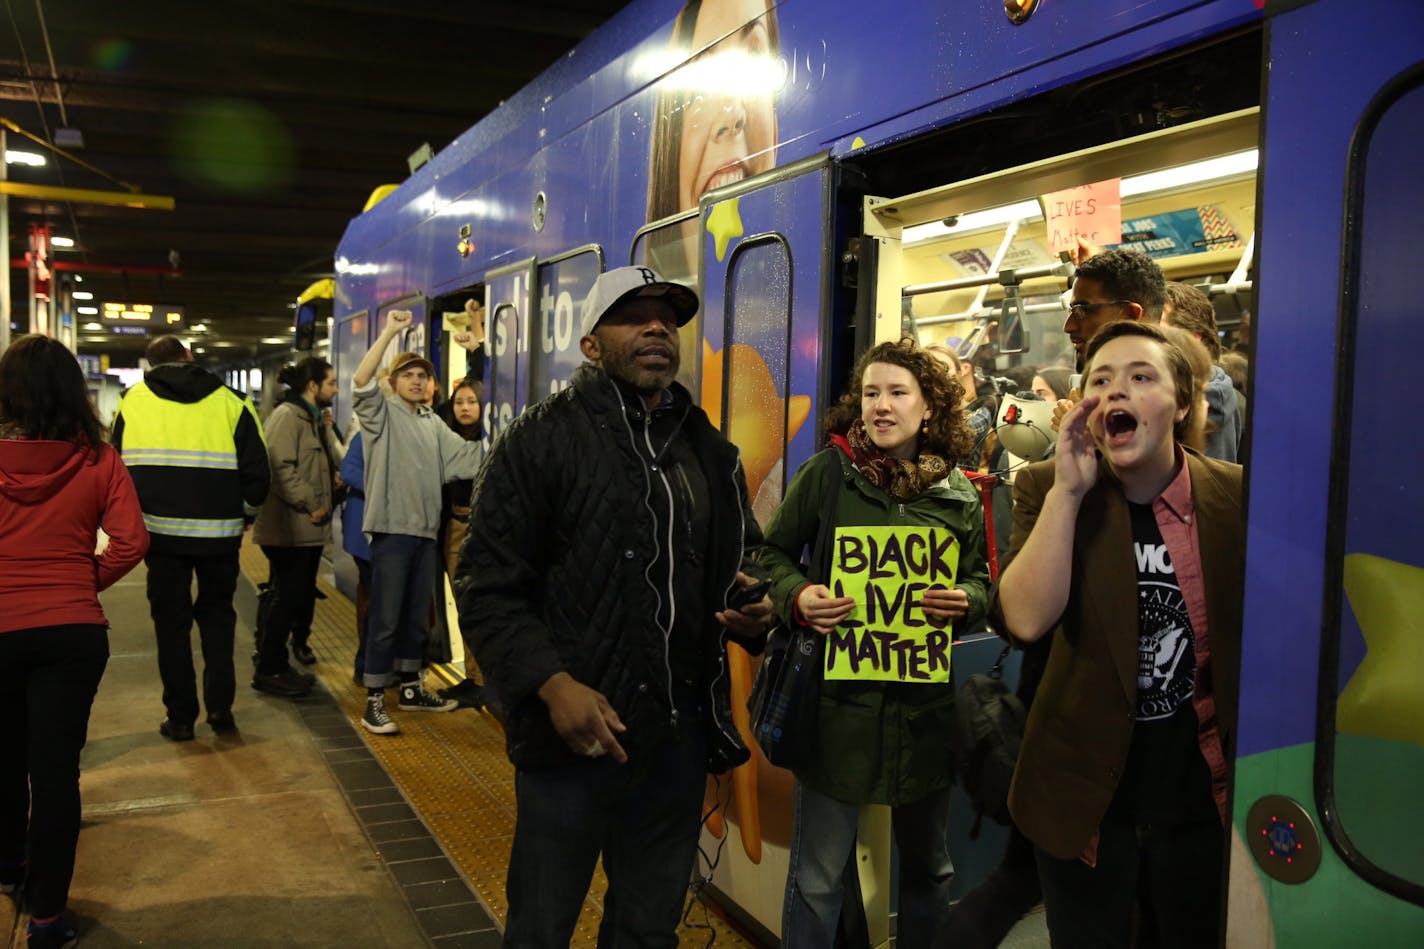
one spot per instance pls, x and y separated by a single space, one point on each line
604 552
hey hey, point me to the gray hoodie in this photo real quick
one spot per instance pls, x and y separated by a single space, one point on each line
409 455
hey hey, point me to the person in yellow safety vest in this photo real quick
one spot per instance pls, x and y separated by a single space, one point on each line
195 451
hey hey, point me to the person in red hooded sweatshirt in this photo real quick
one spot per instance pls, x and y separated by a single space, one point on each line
59 485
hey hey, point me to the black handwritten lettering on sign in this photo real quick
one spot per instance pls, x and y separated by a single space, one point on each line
888 637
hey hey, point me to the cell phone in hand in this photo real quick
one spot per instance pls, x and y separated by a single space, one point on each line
746 596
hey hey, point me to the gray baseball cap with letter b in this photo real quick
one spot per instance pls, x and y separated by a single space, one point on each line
626 283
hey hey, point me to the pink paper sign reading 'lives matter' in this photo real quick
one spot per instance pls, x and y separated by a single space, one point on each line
1092 212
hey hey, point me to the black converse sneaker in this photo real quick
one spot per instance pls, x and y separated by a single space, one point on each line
414 698
376 720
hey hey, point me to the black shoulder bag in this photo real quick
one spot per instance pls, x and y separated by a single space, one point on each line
990 723
787 690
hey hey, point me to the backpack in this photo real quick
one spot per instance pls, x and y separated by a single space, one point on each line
989 727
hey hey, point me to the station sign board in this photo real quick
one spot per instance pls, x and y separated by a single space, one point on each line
162 316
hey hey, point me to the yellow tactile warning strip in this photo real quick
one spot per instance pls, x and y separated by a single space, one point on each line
452 769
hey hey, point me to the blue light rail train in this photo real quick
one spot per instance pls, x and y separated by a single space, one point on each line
832 174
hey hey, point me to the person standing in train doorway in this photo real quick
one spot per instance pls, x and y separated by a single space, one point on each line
409 454
597 586
199 463
1127 549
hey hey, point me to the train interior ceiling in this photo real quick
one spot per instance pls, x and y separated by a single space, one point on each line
1180 132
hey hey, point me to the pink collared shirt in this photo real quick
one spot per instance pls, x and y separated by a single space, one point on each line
1176 519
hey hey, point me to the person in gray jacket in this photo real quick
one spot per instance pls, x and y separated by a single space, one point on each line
410 454
295 522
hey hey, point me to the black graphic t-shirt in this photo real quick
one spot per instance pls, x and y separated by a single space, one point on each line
1166 777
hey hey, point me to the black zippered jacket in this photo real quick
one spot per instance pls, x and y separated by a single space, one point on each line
552 574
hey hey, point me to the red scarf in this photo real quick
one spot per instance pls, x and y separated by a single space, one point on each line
900 479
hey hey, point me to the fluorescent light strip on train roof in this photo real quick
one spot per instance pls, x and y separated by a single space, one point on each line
1200 172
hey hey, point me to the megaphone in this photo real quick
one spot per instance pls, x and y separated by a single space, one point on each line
1025 427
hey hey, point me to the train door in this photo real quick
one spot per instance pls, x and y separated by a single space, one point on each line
762 366
509 300
1330 748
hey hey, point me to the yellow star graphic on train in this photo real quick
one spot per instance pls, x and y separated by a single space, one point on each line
725 224
1383 698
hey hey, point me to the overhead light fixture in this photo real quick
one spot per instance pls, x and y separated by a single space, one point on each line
1201 172
87 310
16 157
275 340
199 328
94 327
61 241
82 295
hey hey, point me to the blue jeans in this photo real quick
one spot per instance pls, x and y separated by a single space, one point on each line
398 619
644 817
363 612
822 840
49 676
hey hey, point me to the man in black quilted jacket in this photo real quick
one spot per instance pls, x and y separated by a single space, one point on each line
597 589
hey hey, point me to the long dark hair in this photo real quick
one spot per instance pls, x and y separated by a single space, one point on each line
298 376
44 395
946 433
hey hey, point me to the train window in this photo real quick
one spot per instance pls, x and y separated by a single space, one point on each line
563 282
1371 749
756 364
349 343
671 247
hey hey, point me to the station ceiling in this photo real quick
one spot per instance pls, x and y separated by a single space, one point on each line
269 123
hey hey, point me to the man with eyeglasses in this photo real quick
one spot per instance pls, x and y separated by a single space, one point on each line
1110 285
403 440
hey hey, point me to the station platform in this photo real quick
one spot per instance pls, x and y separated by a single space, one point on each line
299 829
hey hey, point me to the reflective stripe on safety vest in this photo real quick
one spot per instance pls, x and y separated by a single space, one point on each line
180 458
193 526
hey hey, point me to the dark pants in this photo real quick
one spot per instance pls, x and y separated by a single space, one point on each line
293 578
49 676
363 611
1175 870
171 604
644 817
398 619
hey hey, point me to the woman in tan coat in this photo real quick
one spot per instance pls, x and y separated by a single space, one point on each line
295 522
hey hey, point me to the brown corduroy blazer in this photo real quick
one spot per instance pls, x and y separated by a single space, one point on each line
1080 725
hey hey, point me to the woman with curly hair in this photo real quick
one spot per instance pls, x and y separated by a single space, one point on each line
894 439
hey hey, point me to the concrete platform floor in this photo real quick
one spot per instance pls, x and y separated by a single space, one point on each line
241 840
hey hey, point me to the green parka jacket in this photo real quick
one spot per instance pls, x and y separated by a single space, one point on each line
877 742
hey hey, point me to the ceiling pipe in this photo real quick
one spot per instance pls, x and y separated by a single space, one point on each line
74 267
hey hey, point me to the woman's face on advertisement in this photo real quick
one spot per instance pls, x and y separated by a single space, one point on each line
729 122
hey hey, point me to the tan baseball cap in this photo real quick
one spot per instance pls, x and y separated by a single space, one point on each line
406 360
